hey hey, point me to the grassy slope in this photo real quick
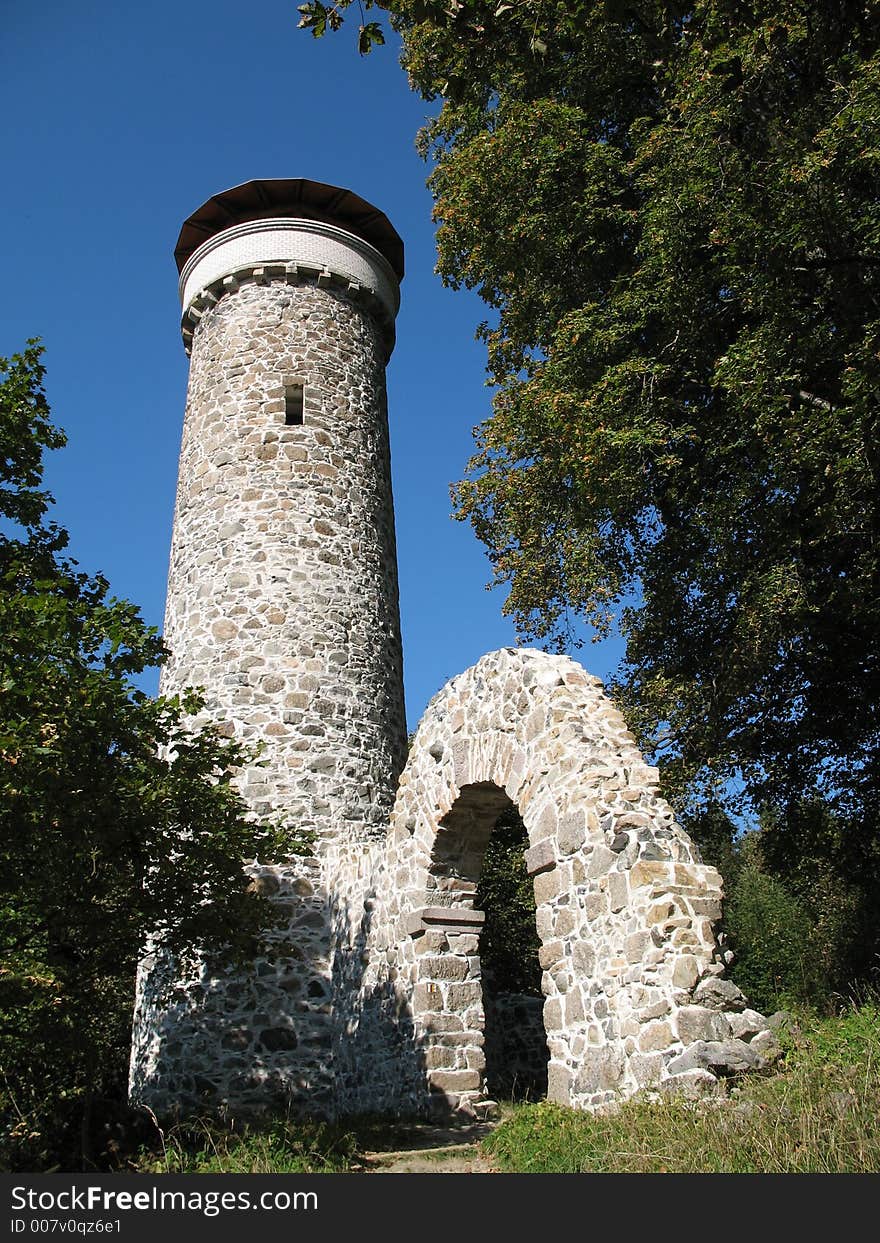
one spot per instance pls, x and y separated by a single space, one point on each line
819 1112
281 1148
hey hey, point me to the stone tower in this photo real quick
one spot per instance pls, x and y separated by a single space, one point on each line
282 594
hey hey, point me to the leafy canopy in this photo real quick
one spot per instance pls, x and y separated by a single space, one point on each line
672 211
116 818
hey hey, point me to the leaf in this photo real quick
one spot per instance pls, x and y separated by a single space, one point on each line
314 18
368 35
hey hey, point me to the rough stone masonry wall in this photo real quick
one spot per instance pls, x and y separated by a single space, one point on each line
282 596
632 974
283 603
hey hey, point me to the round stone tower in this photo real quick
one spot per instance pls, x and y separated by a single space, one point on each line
282 590
283 604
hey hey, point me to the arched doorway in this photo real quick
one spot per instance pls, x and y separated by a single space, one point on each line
478 997
510 966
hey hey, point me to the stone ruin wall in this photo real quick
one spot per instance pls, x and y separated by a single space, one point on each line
632 973
633 978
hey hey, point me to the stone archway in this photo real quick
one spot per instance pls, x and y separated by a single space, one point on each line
450 996
624 905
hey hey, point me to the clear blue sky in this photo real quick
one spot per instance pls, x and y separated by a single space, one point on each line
118 121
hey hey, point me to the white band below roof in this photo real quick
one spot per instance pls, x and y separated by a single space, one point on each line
307 242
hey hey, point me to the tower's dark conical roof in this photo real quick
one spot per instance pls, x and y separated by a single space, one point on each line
296 197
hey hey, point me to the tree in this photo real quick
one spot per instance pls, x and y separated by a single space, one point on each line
509 941
672 210
116 818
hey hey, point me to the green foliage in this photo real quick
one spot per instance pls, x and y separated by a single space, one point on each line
777 963
671 210
830 863
801 910
675 222
716 836
117 818
26 431
509 941
794 910
318 18
820 1113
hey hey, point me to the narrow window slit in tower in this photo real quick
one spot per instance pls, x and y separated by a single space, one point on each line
293 405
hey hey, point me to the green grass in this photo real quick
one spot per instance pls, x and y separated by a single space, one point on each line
202 1147
292 1146
819 1112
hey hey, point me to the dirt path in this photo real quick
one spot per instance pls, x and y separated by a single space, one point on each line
425 1149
